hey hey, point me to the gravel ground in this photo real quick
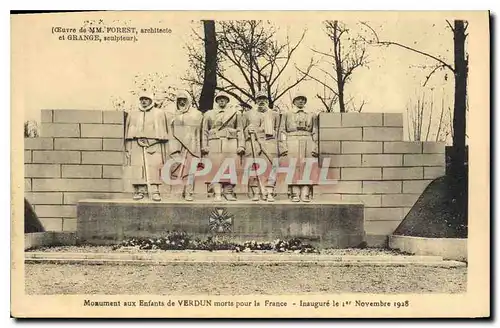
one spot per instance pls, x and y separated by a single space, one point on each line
238 279
109 249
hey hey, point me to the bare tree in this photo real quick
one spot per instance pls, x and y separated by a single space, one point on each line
154 84
329 97
250 58
460 72
422 123
347 54
210 69
194 92
118 103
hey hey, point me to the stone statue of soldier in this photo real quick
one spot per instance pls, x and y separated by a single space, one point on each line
222 138
300 126
260 127
146 136
159 99
185 142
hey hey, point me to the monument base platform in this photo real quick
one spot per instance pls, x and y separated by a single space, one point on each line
322 224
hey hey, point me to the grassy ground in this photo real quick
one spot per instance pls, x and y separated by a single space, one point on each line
237 279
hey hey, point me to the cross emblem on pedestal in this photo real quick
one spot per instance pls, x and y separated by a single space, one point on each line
220 220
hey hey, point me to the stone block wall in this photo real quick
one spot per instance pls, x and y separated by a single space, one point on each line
78 155
375 166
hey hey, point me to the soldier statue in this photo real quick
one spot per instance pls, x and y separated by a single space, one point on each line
222 139
184 145
146 137
159 99
260 127
300 127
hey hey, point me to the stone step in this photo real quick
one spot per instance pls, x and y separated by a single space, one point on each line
439 264
226 256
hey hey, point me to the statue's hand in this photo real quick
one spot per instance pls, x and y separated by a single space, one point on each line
143 142
240 151
314 152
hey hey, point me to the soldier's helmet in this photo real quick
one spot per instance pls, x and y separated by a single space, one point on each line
260 94
299 95
182 94
222 94
160 97
145 94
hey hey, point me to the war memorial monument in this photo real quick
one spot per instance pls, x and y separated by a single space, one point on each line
333 179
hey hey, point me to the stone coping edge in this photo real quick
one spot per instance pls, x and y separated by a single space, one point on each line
206 256
441 264
427 238
448 248
146 202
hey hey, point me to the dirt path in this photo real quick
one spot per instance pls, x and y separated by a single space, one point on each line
236 279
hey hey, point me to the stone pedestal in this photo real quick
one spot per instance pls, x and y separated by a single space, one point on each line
338 225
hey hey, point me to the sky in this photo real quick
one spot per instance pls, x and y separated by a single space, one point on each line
52 74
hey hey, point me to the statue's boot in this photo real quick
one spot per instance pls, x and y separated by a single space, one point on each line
256 194
270 194
305 194
138 196
156 194
217 189
295 194
138 193
229 193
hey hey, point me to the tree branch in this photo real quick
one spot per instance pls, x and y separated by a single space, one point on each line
328 73
289 55
317 80
363 103
311 64
356 62
373 31
449 24
430 120
431 73
419 52
235 61
231 83
323 53
323 102
388 43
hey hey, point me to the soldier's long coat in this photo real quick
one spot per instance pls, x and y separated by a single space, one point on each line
185 142
300 128
150 128
222 135
265 145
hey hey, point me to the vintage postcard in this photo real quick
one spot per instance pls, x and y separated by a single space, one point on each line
253 164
